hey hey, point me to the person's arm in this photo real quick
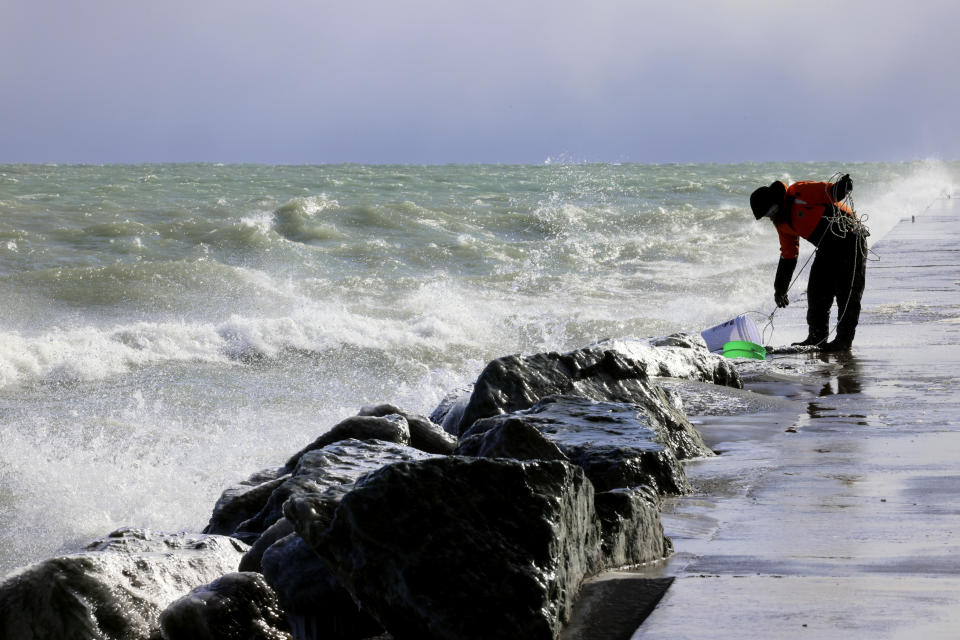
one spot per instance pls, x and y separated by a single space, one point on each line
789 252
781 282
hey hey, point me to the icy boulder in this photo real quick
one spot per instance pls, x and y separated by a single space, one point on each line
116 588
679 355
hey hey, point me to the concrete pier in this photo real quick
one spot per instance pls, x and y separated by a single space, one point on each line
840 518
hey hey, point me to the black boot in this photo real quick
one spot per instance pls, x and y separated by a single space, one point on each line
813 339
843 342
837 344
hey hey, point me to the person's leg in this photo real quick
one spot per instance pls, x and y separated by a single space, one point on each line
819 298
851 279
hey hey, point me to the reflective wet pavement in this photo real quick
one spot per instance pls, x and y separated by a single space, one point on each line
839 516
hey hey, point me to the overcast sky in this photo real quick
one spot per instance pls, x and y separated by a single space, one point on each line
505 81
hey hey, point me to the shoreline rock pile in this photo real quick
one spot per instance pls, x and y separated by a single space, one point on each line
481 521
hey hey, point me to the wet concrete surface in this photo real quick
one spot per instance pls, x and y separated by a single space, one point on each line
837 514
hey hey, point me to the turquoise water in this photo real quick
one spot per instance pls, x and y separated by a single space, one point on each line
168 329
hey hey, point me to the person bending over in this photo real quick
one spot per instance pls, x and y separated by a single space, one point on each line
815 211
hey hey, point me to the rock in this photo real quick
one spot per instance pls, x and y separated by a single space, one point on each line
682 356
679 355
460 548
629 514
424 433
616 444
307 591
632 532
339 463
392 428
299 482
116 588
244 500
315 603
450 410
237 605
665 409
514 383
508 436
616 466
251 560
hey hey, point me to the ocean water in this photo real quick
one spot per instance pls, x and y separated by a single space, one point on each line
166 330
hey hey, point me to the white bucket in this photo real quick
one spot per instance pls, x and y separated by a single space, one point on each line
740 328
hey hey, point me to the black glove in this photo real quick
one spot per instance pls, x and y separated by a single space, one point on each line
842 187
781 299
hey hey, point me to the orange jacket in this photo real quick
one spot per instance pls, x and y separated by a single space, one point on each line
811 200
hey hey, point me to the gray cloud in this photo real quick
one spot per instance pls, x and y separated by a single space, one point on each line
437 81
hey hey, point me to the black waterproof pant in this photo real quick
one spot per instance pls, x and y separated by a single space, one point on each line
838 273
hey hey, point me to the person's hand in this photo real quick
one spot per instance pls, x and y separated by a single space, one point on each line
845 183
781 299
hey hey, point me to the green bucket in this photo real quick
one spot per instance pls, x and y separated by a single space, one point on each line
744 349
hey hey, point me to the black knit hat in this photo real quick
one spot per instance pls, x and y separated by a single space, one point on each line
765 197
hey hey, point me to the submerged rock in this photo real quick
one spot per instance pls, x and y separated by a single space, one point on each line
460 548
234 606
616 444
116 588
